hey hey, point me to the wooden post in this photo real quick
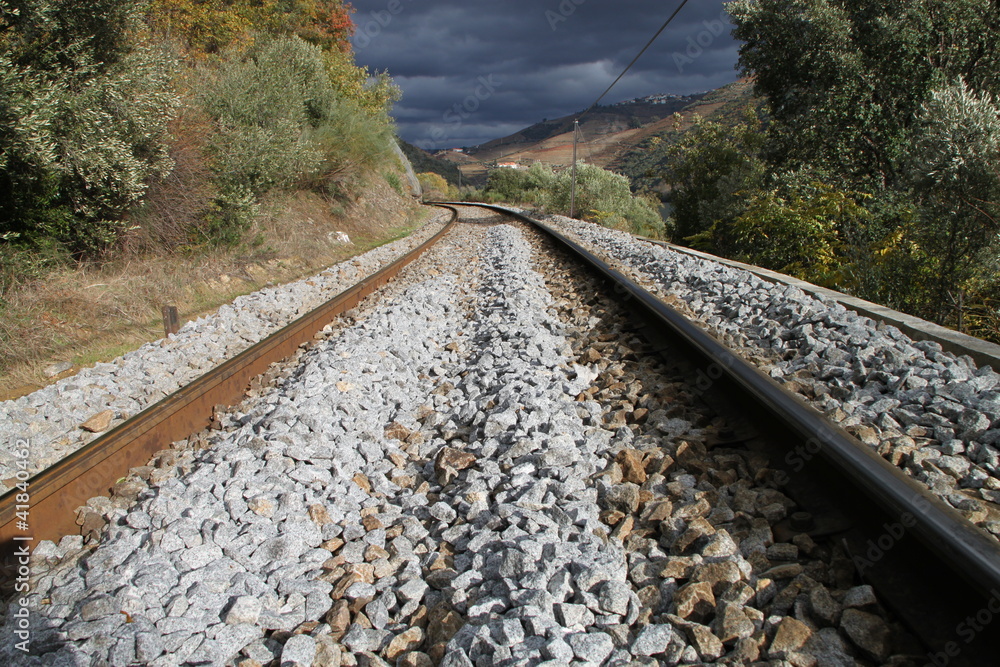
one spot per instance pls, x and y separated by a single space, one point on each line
961 311
171 322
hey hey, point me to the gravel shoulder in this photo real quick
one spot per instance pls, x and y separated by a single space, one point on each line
59 419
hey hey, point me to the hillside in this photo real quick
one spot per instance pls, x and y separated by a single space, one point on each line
423 162
611 135
643 161
247 168
602 121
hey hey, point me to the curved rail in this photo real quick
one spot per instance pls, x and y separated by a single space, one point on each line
936 538
57 491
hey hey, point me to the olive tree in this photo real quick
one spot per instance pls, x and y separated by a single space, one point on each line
955 169
83 120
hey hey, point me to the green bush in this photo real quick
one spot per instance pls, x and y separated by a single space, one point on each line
230 216
280 124
604 197
956 181
83 118
436 188
264 105
795 228
530 186
392 178
712 171
20 263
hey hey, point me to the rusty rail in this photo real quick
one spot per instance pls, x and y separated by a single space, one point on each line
56 492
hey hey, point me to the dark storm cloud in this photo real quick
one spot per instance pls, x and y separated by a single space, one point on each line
476 70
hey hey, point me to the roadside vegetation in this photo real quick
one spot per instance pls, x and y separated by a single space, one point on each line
436 188
179 133
602 196
873 166
424 162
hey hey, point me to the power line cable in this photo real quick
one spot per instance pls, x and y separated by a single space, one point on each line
625 71
576 123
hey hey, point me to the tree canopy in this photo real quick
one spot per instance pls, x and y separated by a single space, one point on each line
845 79
874 166
89 93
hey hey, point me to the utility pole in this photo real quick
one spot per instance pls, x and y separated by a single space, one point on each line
572 199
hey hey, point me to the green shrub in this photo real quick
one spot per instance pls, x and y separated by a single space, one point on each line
20 263
956 181
605 197
712 171
530 186
795 228
435 187
602 196
83 118
230 216
280 125
263 106
353 142
392 178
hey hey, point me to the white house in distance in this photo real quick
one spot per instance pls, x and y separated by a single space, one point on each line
508 165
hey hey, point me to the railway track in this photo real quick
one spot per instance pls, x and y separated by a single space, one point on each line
846 482
57 491
483 435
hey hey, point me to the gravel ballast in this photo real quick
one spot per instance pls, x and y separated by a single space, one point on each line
484 468
935 415
59 419
232 545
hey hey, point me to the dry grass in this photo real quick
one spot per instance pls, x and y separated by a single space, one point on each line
95 313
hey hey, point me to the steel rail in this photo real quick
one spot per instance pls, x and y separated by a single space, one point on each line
57 491
956 544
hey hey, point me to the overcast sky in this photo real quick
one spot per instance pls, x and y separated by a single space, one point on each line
475 70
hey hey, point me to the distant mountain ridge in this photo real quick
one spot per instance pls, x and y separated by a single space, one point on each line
661 98
646 159
617 137
602 119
